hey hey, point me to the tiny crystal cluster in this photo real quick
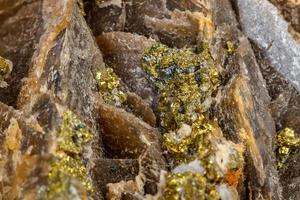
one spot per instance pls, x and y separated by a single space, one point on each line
186 78
73 135
185 147
80 4
67 170
101 1
5 68
109 83
286 142
189 185
230 47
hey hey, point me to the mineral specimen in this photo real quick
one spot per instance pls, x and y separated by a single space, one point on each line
67 171
149 99
183 77
67 174
73 134
189 186
286 141
5 69
108 83
186 79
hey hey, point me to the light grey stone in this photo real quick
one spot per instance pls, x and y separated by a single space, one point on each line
263 24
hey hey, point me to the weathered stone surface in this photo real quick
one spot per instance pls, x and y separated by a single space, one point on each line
172 23
125 135
106 17
186 5
137 10
281 75
175 27
140 108
114 171
284 96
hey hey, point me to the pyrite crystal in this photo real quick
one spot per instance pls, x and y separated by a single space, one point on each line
185 79
4 66
189 186
73 134
5 69
286 142
109 84
68 172
149 99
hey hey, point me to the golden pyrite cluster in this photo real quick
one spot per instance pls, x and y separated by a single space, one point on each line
186 79
286 142
109 86
5 69
67 169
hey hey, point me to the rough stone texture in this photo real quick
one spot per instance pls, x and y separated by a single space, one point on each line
290 9
137 10
123 52
272 39
285 105
127 137
245 115
62 63
57 61
18 37
114 171
106 18
171 23
141 108
24 154
263 24
126 127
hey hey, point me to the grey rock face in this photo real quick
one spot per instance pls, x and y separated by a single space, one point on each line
290 10
285 107
263 24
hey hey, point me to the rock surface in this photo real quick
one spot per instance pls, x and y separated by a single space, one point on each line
263 24
290 11
285 111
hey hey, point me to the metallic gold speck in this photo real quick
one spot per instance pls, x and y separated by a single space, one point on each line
286 142
67 170
108 83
